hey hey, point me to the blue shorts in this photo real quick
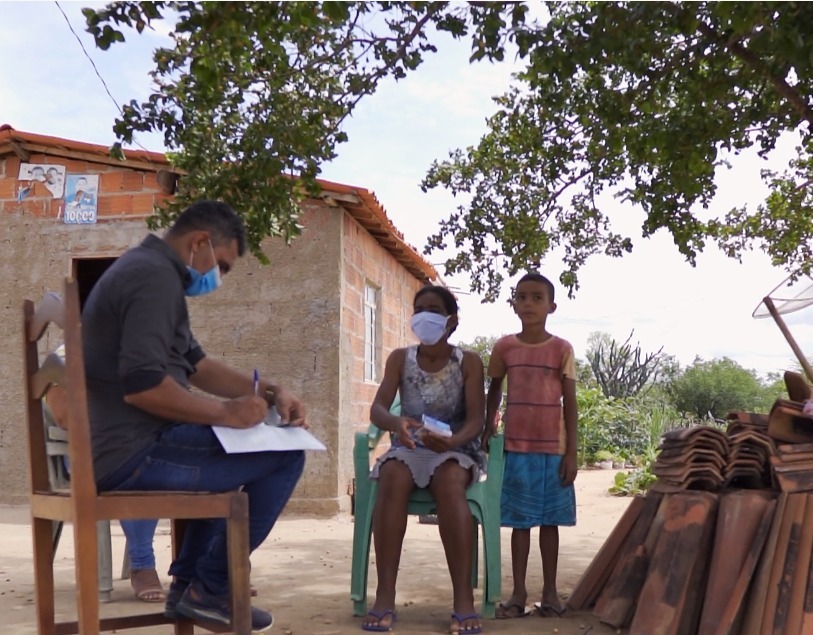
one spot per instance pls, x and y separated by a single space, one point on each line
532 492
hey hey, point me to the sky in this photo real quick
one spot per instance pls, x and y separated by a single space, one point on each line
49 86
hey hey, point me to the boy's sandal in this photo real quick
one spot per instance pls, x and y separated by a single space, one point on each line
380 616
511 611
457 627
147 586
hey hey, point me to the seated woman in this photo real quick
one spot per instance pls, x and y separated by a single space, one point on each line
442 381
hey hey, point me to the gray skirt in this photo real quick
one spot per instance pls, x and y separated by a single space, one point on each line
423 462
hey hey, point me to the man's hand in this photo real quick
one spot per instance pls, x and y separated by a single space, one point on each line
291 410
244 412
568 469
404 431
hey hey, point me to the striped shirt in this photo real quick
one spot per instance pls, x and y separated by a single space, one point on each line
534 420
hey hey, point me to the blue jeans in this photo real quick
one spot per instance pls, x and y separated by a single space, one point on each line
189 458
139 542
139 535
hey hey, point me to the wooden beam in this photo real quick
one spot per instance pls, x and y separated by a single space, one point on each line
19 151
340 198
134 164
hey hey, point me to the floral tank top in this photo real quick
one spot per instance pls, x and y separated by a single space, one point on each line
439 395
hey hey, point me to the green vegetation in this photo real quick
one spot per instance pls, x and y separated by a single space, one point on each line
630 428
620 369
713 389
642 102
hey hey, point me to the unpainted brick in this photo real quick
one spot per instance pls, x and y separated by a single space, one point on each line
160 198
72 166
143 203
110 182
56 206
8 188
33 207
132 181
12 167
150 181
115 205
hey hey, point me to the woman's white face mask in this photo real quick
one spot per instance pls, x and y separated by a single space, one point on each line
428 327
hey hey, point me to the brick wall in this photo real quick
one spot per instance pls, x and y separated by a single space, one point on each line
365 260
123 193
299 319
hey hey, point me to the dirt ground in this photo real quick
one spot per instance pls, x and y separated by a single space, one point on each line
303 573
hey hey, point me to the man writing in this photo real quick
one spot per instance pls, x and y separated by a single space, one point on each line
150 432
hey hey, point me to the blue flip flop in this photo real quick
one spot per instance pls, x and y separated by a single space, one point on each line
380 615
461 630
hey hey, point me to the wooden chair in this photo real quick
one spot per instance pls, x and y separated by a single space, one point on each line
82 506
484 502
56 447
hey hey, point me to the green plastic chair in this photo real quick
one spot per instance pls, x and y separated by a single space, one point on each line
484 502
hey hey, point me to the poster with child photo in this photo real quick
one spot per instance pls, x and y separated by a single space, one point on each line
80 198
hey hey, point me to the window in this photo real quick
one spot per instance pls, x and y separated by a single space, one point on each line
372 329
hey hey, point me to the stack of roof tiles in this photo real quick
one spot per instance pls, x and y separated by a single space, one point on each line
793 461
691 458
750 451
722 544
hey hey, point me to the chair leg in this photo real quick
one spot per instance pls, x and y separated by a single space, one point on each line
184 627
87 574
177 530
238 549
126 565
362 530
44 541
475 553
492 583
105 550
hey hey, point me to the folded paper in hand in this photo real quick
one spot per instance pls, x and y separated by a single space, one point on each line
267 436
435 425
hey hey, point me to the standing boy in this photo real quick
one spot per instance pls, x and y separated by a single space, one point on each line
540 440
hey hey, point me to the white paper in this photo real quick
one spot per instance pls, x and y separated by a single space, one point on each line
267 436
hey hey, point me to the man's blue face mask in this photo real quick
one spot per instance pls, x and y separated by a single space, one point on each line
203 283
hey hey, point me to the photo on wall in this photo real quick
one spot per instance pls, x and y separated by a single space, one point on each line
81 191
40 179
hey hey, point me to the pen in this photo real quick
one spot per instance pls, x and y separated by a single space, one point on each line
256 382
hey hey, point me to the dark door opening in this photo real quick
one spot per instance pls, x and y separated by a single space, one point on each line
86 271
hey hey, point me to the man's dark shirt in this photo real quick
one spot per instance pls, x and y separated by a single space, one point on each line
136 332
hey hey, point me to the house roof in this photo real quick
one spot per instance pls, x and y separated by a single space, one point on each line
365 208
361 204
25 143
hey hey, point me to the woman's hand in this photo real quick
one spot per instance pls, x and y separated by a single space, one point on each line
405 430
436 442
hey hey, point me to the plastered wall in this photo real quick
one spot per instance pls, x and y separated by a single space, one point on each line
299 319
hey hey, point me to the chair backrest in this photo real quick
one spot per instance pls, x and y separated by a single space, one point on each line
70 374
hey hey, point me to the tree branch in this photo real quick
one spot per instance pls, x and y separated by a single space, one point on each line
796 101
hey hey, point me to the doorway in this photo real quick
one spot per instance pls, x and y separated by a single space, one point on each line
86 272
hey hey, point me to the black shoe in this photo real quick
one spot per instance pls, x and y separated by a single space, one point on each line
198 604
176 590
